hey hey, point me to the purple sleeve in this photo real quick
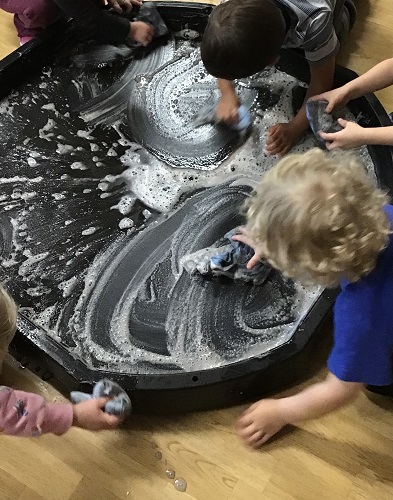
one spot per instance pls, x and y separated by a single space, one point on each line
29 415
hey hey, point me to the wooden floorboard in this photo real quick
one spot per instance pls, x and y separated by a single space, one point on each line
345 455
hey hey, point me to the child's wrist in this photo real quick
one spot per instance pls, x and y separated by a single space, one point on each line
352 91
75 416
284 411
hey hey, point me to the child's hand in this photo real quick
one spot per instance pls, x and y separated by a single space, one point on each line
141 32
281 138
351 136
123 6
244 237
227 109
336 98
260 422
91 415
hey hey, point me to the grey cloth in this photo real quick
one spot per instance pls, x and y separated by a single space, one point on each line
149 14
319 120
120 404
226 258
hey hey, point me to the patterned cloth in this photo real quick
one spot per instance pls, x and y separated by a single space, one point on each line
228 260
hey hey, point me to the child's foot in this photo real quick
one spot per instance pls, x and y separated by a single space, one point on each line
25 39
141 32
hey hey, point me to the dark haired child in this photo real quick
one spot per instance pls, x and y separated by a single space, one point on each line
242 38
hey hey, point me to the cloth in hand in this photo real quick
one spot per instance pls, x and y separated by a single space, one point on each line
120 404
149 14
319 120
207 114
228 260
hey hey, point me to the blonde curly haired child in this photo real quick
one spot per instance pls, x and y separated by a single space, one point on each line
318 218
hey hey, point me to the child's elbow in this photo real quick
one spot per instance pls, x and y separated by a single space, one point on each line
344 391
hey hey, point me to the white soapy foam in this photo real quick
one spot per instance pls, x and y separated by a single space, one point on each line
89 231
68 286
85 134
59 196
45 131
63 149
125 204
126 223
31 162
30 262
78 165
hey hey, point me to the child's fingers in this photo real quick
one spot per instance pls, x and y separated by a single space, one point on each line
273 134
262 440
342 122
332 145
242 238
110 421
126 6
116 7
253 262
328 137
101 402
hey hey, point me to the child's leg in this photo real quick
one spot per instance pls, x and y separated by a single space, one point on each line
8 311
31 16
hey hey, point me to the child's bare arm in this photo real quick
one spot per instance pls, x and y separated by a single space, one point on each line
353 135
227 109
377 78
285 135
266 417
29 415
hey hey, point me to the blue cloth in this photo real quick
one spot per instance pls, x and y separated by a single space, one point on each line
363 324
207 114
228 260
120 404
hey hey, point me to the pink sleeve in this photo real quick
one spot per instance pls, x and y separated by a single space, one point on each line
27 414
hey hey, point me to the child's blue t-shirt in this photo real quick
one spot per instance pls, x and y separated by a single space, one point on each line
363 324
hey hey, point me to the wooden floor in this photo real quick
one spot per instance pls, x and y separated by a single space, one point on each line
346 455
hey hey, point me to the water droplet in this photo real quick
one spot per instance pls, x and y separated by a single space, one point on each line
181 484
170 473
158 455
